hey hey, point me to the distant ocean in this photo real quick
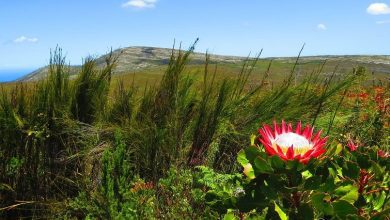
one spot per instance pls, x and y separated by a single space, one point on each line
10 75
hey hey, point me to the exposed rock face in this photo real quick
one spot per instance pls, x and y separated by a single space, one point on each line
136 58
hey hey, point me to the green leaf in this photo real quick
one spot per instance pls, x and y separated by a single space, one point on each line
230 216
360 202
252 152
249 172
349 193
363 161
379 202
313 182
294 165
319 201
251 201
329 185
323 172
278 182
378 170
351 196
296 179
339 148
306 212
261 166
381 215
307 174
334 150
277 163
241 158
351 170
253 139
282 215
271 213
355 217
342 190
269 191
343 208
248 169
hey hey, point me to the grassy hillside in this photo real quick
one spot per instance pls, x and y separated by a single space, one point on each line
155 60
181 141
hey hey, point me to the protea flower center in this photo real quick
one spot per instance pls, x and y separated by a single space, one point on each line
289 145
286 140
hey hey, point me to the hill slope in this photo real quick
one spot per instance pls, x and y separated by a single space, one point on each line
134 59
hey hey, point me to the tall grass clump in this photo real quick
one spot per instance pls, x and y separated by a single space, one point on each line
41 140
123 104
91 89
210 108
161 119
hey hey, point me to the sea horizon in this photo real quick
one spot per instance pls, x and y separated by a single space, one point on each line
9 75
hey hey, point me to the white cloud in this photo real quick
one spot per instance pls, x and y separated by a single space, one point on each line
321 27
378 9
383 22
140 4
23 39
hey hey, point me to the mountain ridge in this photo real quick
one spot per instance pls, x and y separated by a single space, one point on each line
137 58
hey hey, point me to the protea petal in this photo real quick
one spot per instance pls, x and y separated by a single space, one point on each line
276 129
317 152
289 127
268 130
271 151
297 157
317 137
352 146
289 145
383 154
305 160
307 132
290 153
284 130
280 151
263 133
299 128
308 153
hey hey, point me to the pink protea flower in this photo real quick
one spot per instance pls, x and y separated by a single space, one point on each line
363 180
352 146
289 145
383 154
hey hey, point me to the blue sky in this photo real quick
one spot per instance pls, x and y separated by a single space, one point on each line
28 29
